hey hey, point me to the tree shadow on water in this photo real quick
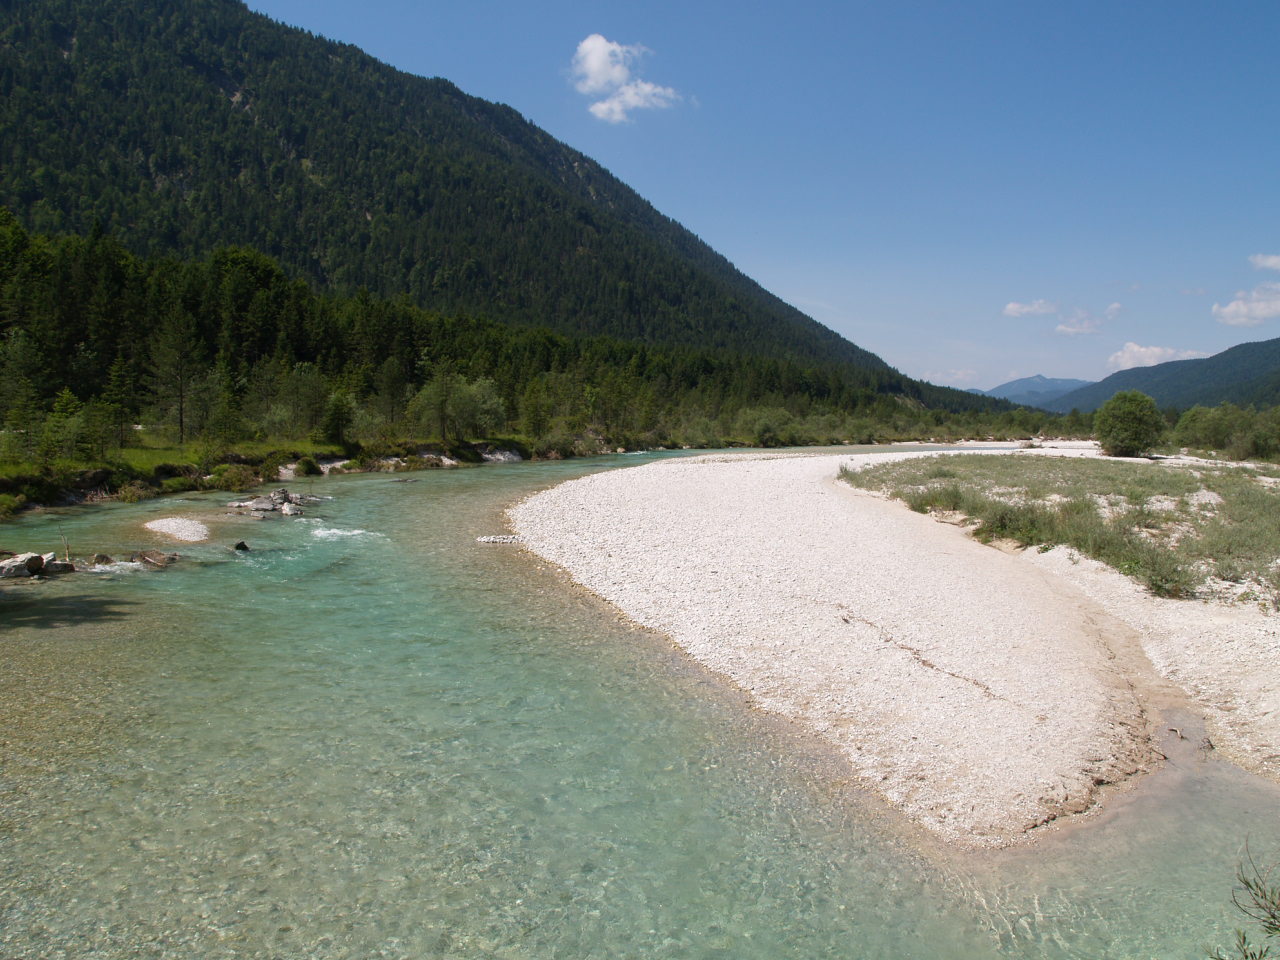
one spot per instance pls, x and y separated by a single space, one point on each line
51 612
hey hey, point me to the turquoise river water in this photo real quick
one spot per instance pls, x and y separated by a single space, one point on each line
372 736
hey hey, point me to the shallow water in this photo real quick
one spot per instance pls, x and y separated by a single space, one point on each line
372 736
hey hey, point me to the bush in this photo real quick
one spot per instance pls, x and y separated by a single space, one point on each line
236 477
1128 424
134 491
177 485
269 468
10 504
306 467
1257 898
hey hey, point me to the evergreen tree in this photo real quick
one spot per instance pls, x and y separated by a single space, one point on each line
176 354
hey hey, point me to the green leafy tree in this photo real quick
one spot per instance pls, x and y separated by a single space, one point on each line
476 409
1128 424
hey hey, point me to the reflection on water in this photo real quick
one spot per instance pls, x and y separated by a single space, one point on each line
371 736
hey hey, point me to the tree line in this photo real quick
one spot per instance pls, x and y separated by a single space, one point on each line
95 339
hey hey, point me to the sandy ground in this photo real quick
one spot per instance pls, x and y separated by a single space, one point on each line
982 693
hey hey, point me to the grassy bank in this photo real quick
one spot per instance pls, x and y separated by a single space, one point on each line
1183 531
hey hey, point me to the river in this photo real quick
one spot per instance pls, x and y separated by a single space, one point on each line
372 736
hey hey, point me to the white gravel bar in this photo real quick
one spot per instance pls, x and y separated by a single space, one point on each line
980 694
180 528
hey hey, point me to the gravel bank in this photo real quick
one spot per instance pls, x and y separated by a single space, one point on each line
180 528
981 694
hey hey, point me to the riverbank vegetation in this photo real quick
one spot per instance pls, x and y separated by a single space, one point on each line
1181 530
119 369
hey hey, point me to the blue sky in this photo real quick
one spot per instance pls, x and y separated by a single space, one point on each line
976 192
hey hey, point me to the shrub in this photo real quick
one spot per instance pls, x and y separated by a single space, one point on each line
237 477
1257 898
177 485
1128 424
10 504
269 469
134 491
306 467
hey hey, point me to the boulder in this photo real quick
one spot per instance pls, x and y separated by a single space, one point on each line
100 559
242 546
262 503
52 567
22 565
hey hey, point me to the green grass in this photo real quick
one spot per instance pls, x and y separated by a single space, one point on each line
1140 518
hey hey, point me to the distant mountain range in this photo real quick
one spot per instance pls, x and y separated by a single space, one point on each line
181 126
1034 391
1248 373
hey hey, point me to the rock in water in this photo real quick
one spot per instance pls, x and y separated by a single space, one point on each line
155 558
23 565
291 510
242 546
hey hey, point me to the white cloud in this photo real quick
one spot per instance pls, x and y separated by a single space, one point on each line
1266 261
1250 308
601 66
1080 321
1133 355
1112 311
1032 309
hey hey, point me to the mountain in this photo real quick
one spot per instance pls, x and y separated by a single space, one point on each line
1034 391
182 126
1248 373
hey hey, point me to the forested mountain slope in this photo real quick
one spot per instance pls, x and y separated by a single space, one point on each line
1246 373
230 348
183 125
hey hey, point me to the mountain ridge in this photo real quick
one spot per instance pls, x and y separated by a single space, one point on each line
1248 373
1036 390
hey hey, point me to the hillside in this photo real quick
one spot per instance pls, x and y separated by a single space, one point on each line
1035 391
1244 374
184 126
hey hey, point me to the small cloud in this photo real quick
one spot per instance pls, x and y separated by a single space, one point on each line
1112 311
1032 309
1250 308
1080 321
1266 261
1133 355
602 67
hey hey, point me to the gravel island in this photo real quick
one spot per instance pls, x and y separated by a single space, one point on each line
981 694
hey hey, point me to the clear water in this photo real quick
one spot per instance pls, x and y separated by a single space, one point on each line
372 736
